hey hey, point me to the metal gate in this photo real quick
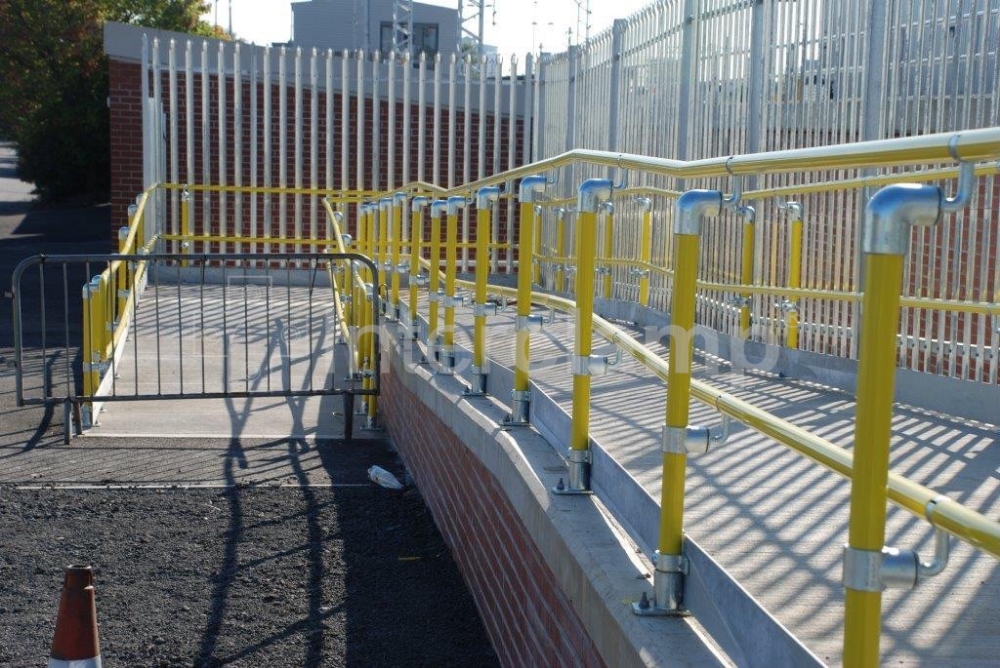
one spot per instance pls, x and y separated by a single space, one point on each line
91 329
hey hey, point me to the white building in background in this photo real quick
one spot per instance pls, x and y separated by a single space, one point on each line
367 25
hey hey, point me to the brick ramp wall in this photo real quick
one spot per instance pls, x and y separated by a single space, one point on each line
530 622
550 575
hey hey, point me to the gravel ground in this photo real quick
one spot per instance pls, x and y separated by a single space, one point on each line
262 577
308 574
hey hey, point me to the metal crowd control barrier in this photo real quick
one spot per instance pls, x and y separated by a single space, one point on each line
209 326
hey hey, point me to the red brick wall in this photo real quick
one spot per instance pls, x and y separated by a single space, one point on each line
125 101
529 620
126 146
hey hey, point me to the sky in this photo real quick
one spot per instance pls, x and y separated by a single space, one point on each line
514 26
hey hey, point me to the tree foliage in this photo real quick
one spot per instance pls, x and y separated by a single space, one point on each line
53 99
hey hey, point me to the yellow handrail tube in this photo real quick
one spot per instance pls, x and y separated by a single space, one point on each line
560 247
873 429
529 189
398 202
746 270
485 199
438 207
645 249
686 249
691 208
889 216
450 267
536 246
416 239
608 250
794 275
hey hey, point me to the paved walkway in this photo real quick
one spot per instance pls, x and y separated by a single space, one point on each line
777 521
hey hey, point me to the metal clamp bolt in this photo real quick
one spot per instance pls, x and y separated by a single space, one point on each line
694 440
595 365
483 310
788 306
668 587
529 323
892 568
520 402
740 302
453 301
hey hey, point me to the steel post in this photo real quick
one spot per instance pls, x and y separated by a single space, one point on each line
794 276
438 207
396 234
645 250
746 271
417 205
692 207
530 188
592 193
455 203
889 217
486 198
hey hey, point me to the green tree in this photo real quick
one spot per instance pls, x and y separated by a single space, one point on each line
53 99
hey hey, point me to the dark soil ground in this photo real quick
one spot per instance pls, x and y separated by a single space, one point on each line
298 575
249 577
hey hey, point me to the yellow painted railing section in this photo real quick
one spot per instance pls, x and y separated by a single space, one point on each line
873 483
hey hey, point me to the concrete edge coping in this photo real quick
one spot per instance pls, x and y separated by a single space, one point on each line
597 566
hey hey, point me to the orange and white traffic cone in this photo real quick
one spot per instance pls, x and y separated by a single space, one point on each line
75 643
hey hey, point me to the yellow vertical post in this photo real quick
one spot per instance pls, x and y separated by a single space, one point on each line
592 194
369 302
89 386
417 205
358 293
455 202
104 314
608 250
794 274
560 247
122 274
529 189
133 221
384 213
438 207
485 200
889 216
746 267
536 244
398 202
668 583
185 224
645 248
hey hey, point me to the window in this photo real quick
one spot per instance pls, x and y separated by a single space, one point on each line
425 38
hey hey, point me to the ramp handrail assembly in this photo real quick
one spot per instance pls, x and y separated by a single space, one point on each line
891 212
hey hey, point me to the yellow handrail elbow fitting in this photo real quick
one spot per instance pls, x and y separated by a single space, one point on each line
892 211
592 193
693 206
487 196
530 188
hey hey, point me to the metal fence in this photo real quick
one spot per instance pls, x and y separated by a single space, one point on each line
309 122
686 79
694 79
